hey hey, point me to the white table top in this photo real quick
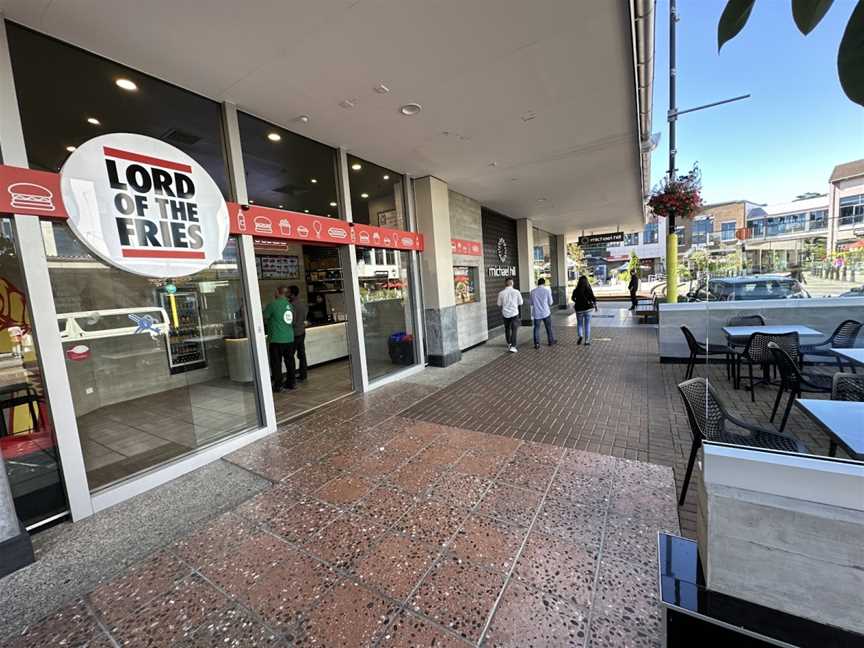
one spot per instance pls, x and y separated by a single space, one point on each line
841 419
776 329
855 355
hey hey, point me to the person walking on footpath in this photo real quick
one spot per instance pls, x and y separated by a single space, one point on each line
509 301
279 326
584 302
633 286
301 311
541 302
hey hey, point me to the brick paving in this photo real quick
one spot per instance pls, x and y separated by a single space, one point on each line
518 506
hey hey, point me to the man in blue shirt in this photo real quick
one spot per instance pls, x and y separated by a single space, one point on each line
541 303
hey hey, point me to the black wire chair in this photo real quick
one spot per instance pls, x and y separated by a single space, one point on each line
795 382
700 350
846 387
738 341
843 337
756 352
709 418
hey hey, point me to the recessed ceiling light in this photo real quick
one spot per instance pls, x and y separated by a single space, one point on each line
274 137
386 177
332 204
541 200
493 164
381 89
348 104
314 181
364 195
528 116
251 201
304 119
306 210
70 148
410 109
93 120
281 206
356 166
126 84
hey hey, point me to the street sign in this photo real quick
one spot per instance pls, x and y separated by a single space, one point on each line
601 239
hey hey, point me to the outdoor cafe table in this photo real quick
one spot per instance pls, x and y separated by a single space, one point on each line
744 332
841 420
855 355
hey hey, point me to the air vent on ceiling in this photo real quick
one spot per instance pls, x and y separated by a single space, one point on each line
176 136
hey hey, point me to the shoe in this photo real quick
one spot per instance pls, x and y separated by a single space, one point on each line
587 342
513 349
537 346
276 390
579 341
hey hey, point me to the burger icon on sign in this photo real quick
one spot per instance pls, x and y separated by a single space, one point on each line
26 195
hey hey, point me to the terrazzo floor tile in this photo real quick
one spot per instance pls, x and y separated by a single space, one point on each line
293 585
410 631
395 565
459 490
529 618
71 626
385 504
647 504
488 542
625 630
234 628
439 454
432 522
590 490
510 503
171 617
459 596
120 597
251 560
480 464
312 476
560 568
213 541
270 503
415 478
343 540
376 465
298 522
347 615
588 463
566 519
625 586
344 491
268 460
528 474
633 540
538 452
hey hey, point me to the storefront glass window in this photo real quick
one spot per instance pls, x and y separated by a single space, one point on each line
27 442
287 171
542 256
376 195
158 368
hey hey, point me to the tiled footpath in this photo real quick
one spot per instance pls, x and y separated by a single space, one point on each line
384 530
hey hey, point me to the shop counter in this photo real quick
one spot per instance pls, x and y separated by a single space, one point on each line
238 353
326 342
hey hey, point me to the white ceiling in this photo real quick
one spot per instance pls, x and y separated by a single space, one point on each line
477 67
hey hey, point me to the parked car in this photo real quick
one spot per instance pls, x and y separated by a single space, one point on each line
854 292
748 287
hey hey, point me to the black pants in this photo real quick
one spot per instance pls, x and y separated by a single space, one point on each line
511 327
300 350
633 299
282 352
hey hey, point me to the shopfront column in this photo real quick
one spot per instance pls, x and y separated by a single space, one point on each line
525 238
432 204
559 271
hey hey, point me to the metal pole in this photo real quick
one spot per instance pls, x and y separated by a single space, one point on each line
671 238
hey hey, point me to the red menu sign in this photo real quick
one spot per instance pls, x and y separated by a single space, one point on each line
37 193
470 248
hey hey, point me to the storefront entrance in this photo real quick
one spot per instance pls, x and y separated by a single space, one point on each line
321 336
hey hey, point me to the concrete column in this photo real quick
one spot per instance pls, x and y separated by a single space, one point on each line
525 242
559 271
432 208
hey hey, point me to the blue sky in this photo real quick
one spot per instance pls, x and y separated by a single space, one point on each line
788 136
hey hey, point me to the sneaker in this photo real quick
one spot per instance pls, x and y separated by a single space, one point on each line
513 349
587 342
536 346
579 341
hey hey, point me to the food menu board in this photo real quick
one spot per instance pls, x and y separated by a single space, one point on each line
465 284
277 266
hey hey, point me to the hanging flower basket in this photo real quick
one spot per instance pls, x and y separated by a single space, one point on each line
679 197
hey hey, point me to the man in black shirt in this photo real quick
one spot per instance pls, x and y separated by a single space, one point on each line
633 286
301 311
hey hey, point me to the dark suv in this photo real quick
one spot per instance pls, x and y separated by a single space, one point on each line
748 288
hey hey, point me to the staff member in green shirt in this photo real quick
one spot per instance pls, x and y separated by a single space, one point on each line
279 325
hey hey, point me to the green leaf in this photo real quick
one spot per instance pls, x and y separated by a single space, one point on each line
732 21
850 56
808 13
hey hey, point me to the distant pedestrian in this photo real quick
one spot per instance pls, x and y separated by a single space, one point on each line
633 286
279 326
584 302
541 303
509 301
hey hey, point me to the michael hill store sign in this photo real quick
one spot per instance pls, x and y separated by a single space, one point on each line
148 208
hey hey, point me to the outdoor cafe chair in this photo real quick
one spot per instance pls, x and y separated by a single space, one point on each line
700 350
794 382
756 352
710 421
843 337
846 387
743 320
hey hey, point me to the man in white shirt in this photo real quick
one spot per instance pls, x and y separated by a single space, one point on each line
541 302
509 301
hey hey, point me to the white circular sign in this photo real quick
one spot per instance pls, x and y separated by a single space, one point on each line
288 316
144 206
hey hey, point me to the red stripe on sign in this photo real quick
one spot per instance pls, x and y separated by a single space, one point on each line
163 254
146 159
